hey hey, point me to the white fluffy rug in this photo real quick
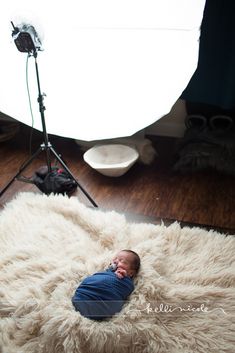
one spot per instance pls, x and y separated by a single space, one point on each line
184 299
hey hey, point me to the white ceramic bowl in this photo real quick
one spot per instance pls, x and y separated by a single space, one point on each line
111 159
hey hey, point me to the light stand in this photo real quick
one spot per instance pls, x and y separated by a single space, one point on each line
45 146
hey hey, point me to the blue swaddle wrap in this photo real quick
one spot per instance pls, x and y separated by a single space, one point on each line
102 295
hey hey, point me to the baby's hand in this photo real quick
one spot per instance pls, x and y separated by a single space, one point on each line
121 273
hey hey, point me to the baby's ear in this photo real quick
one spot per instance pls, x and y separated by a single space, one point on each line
132 273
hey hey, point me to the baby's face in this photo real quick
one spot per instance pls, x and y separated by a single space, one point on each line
124 261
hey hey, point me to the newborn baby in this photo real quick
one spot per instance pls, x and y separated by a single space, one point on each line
103 294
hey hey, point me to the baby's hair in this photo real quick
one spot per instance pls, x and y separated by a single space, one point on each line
136 261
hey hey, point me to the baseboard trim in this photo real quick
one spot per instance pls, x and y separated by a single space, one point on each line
166 129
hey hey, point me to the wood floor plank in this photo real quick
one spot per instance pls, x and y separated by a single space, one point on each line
154 192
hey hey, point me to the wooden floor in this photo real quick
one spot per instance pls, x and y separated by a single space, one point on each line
146 193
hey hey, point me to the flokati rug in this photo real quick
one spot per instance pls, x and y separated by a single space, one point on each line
184 297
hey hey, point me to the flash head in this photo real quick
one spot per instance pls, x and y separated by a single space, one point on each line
26 38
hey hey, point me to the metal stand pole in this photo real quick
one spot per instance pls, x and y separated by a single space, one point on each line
42 109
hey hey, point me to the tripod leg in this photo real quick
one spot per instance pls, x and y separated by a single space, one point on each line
69 172
23 167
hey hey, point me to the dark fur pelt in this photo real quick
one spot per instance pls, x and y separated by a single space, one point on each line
206 148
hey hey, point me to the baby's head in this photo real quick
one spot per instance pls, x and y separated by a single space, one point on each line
127 260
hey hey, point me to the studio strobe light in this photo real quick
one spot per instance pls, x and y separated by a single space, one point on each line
26 38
